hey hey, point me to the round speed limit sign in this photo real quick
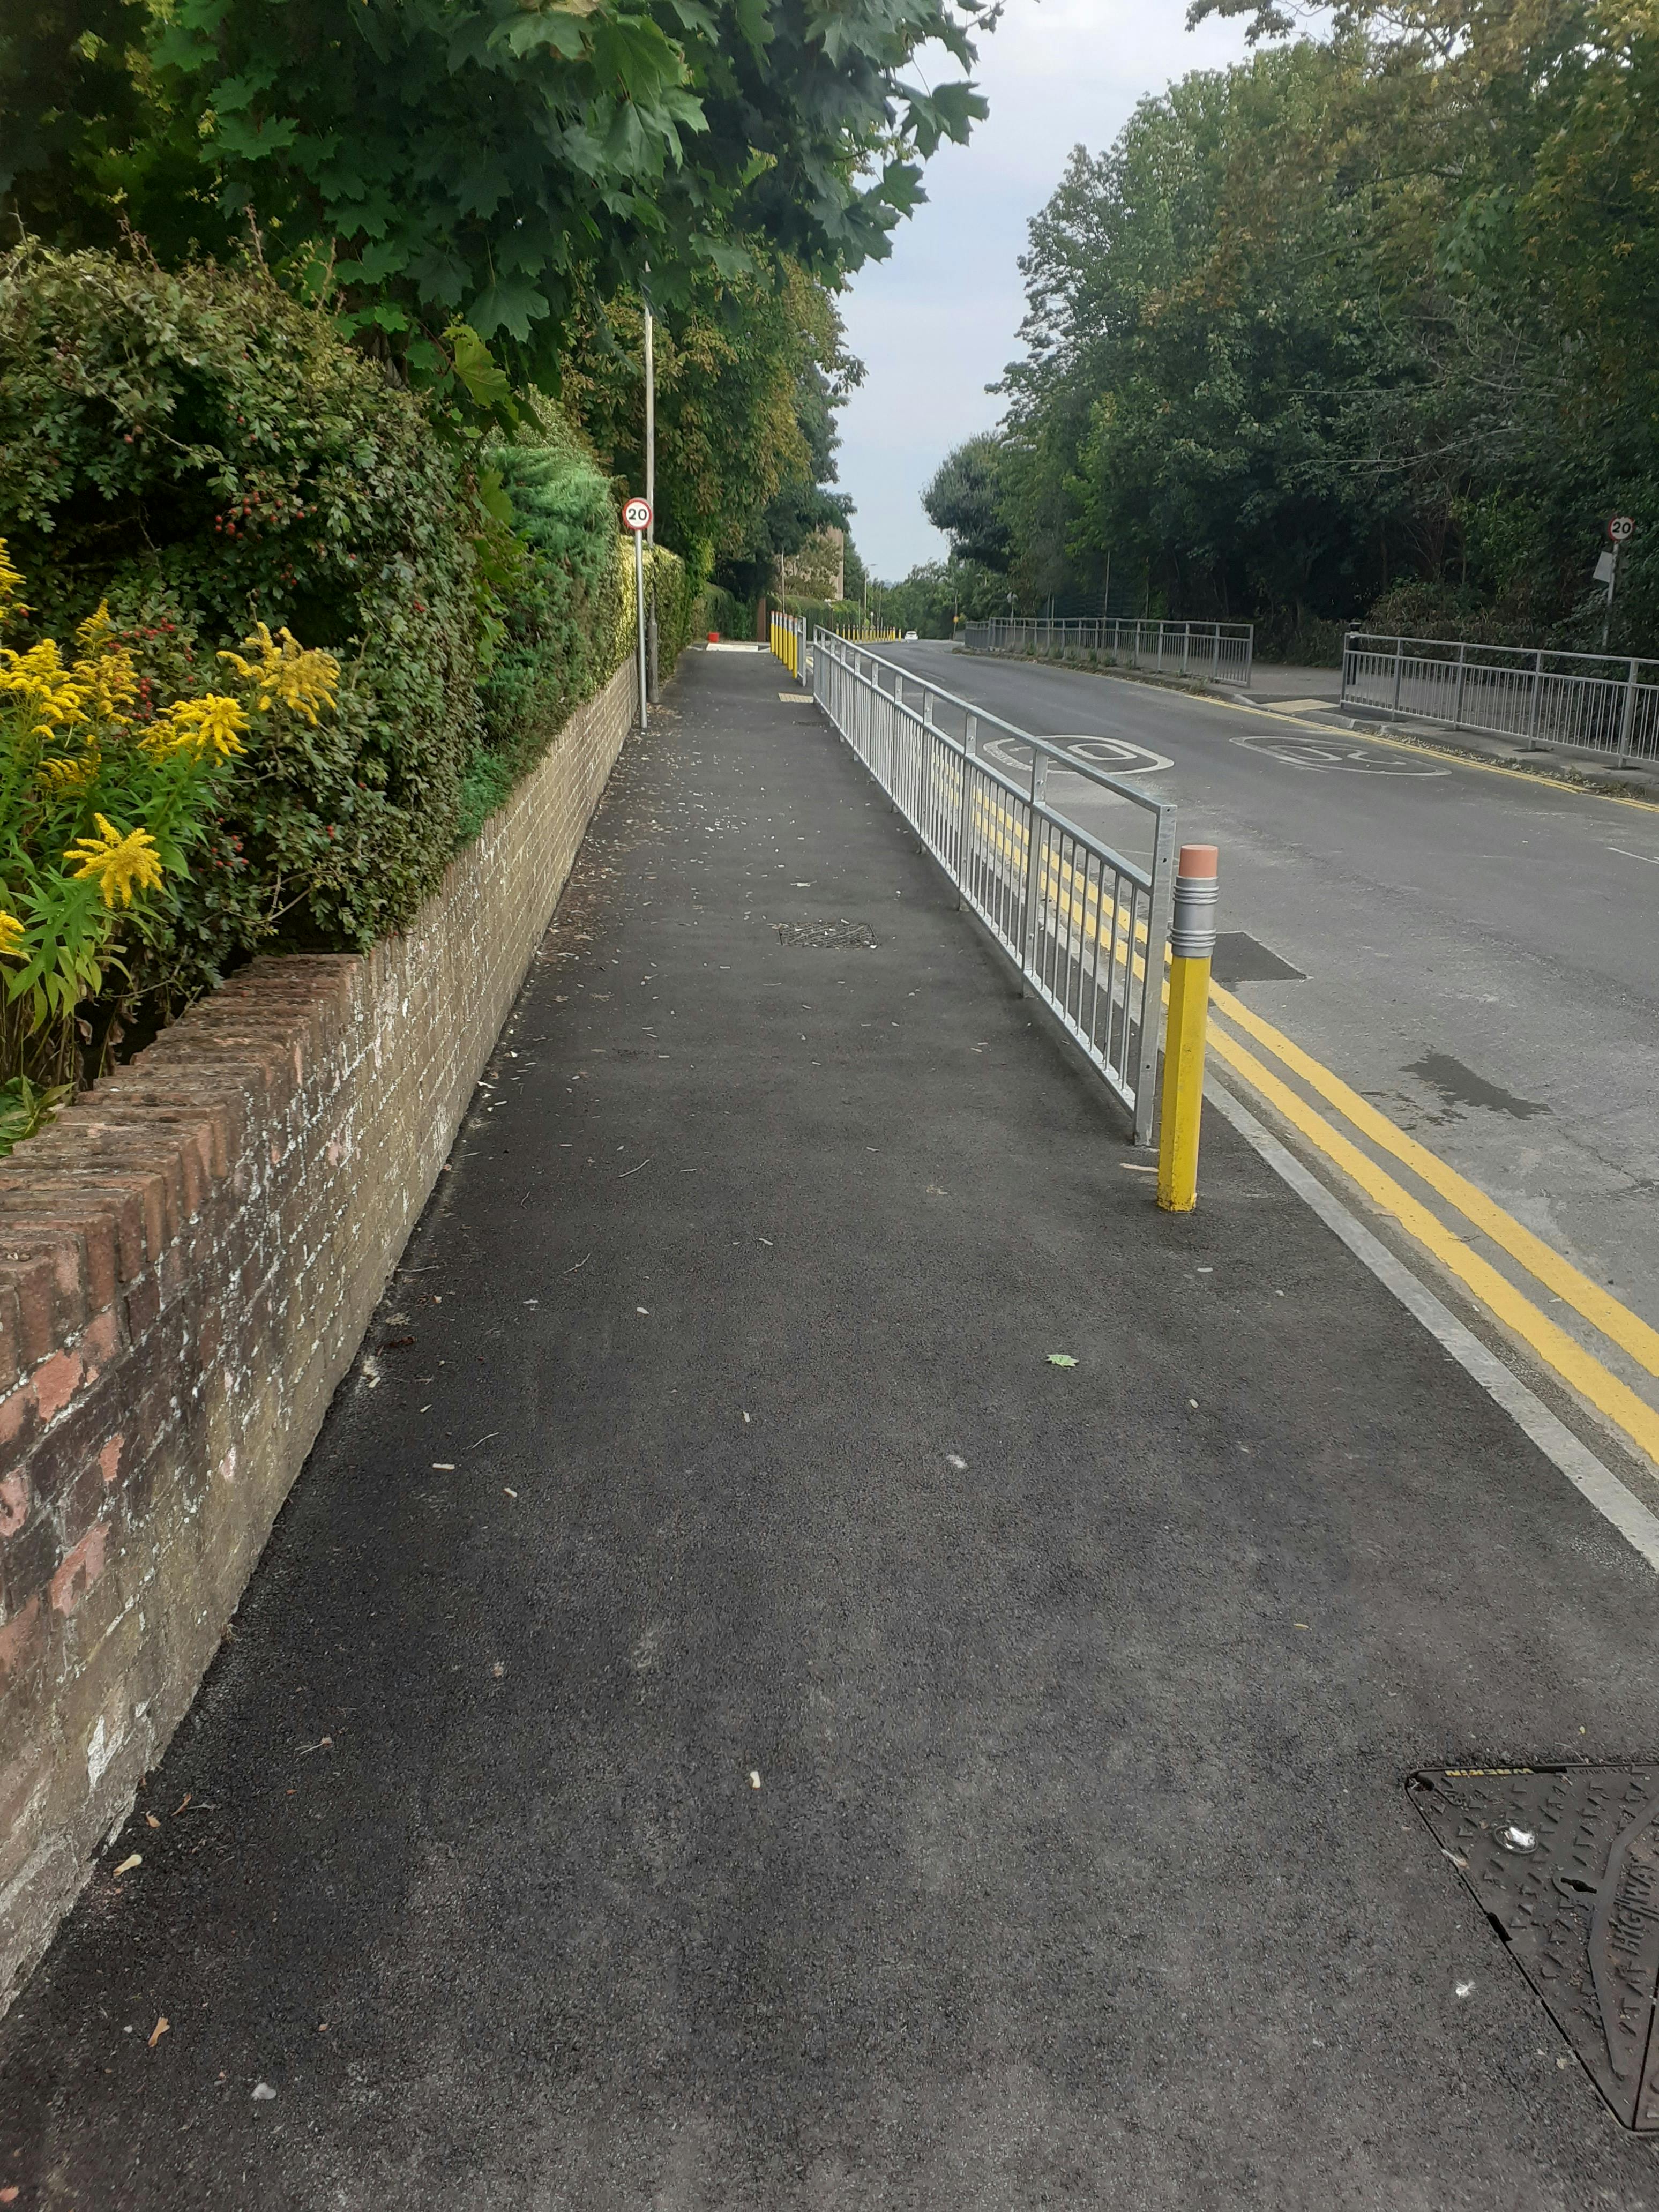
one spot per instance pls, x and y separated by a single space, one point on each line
637 515
1621 529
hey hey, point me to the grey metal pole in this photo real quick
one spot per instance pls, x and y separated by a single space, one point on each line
651 480
969 728
1032 931
1462 673
639 606
1532 708
1627 726
1607 619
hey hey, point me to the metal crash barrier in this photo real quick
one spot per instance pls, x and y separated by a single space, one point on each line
1087 926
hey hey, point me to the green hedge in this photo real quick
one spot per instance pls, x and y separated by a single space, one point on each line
206 453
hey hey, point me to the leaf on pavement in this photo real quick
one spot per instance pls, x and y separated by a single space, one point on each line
1061 1359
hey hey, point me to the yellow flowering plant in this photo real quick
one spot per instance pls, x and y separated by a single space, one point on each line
105 792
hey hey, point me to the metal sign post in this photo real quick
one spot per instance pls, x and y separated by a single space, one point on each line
1621 530
636 517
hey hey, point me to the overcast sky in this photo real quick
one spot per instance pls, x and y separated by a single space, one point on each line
935 324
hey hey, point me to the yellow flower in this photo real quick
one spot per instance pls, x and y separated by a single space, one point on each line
105 675
11 930
286 672
40 679
11 583
214 724
122 861
57 776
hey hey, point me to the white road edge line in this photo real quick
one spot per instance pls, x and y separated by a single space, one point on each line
1634 1523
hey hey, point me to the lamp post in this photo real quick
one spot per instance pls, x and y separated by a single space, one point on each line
651 476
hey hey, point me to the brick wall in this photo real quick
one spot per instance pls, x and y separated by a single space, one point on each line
188 1260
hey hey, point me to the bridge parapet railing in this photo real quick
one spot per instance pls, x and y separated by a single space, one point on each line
1221 652
1584 703
1087 926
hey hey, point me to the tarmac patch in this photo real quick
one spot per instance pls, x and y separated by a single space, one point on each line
827 936
1240 958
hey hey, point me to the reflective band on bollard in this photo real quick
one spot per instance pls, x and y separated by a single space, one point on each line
1191 930
1192 940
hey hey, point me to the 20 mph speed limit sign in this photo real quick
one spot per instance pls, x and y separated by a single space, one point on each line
1621 529
637 515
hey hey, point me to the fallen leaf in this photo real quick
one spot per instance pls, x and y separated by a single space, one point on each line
160 2029
127 1865
152 1820
508 1493
264 2094
9 2195
1061 1359
183 1801
754 1777
499 1669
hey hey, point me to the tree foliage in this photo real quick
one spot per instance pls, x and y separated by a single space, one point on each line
748 369
1356 324
483 161
965 500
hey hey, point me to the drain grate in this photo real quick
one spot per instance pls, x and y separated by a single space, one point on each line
827 936
1565 1863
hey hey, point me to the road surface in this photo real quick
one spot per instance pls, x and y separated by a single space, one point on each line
1472 951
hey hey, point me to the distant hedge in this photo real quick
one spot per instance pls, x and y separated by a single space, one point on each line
207 453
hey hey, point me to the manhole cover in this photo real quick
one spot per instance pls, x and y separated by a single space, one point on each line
1565 1863
827 936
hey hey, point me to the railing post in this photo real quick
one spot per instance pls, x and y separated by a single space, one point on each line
971 730
1532 705
1399 665
1463 675
1033 849
1627 722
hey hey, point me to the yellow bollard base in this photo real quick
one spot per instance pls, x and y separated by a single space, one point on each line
1182 1102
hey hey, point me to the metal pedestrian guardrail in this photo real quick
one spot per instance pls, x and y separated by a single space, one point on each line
1087 926
1223 651
1586 702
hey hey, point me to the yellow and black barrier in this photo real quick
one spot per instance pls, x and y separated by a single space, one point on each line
1192 943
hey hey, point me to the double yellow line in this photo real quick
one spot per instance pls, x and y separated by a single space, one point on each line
1629 1412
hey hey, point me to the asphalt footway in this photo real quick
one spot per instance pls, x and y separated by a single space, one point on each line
723 1724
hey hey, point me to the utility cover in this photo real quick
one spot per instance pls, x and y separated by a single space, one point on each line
1564 1863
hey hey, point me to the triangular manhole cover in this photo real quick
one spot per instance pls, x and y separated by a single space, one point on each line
1565 1863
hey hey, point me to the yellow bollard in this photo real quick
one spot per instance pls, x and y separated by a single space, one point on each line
1192 941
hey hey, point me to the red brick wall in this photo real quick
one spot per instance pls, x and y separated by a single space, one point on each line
188 1260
